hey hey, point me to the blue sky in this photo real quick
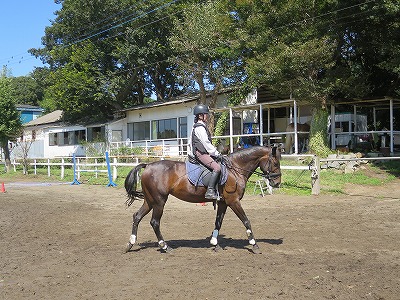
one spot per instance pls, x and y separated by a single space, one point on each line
22 25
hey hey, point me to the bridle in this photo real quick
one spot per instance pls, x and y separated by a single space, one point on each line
269 174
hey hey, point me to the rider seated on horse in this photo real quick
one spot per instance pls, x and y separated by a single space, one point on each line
201 148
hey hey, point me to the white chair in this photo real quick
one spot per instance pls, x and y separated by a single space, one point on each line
264 186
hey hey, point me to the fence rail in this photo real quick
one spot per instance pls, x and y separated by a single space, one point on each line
82 164
98 165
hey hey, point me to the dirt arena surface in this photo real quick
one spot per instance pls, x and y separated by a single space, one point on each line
59 241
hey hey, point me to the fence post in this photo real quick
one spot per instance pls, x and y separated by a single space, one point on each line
48 167
95 168
315 177
74 162
34 167
62 168
78 168
115 171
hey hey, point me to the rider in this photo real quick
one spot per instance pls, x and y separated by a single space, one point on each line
203 150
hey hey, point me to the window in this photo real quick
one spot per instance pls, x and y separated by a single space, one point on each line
139 131
80 135
164 129
66 138
116 135
96 134
53 139
183 127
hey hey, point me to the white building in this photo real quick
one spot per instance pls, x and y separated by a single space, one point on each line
48 136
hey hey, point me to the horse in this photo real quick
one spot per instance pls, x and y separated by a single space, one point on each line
303 133
166 177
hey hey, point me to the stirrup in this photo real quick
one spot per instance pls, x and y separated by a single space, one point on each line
211 194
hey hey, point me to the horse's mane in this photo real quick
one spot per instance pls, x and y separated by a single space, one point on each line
245 153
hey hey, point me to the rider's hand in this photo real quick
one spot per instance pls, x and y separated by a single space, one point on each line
219 158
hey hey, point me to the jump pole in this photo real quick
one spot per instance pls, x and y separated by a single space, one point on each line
110 180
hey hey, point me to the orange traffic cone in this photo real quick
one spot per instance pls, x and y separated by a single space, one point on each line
3 189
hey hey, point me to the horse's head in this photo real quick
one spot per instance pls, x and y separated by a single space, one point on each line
271 167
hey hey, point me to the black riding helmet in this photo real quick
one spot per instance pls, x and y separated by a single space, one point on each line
201 109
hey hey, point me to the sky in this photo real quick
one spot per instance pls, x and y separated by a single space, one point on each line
22 25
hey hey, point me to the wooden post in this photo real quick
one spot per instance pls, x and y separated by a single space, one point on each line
95 168
115 170
315 177
48 167
78 168
62 167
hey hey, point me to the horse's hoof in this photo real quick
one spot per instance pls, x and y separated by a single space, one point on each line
256 249
213 241
217 248
128 247
168 250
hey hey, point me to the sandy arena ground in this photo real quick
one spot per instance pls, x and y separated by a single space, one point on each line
59 241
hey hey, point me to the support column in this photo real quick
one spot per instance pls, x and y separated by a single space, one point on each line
391 126
333 125
296 138
231 129
260 129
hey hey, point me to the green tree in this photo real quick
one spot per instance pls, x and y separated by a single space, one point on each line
77 89
202 39
320 51
10 123
291 58
26 90
107 55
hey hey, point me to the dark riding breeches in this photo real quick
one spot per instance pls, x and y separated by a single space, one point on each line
208 161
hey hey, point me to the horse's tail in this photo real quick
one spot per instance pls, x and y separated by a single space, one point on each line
131 182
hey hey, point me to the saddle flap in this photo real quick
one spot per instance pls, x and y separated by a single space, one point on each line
199 175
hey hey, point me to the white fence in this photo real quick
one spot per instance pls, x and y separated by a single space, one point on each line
98 165
82 165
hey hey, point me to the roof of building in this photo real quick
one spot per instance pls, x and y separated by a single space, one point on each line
27 107
176 100
53 117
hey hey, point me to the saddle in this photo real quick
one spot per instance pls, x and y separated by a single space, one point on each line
199 175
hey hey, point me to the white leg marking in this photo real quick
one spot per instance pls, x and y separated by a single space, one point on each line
214 240
162 244
132 240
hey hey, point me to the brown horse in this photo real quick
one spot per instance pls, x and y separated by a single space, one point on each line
166 177
303 133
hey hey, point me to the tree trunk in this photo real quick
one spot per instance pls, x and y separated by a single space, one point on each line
318 143
4 146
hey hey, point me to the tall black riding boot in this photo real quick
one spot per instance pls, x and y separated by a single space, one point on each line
211 192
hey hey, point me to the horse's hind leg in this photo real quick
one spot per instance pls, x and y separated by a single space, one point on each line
155 223
137 217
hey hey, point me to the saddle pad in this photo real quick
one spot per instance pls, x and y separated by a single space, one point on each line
198 175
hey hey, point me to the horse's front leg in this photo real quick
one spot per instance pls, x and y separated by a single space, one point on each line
218 223
238 210
137 217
